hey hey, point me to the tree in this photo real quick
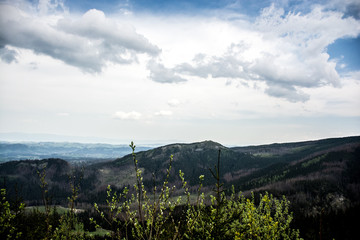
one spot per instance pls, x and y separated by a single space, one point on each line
8 228
227 217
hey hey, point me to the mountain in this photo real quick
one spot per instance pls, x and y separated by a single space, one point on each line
266 167
193 159
262 167
22 179
321 178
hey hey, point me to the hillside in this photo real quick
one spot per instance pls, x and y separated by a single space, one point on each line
275 167
321 178
193 159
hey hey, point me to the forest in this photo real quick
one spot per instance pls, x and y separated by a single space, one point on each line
202 190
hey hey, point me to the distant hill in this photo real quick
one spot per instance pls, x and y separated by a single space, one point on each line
75 152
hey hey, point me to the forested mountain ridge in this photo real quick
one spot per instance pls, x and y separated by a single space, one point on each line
321 178
247 168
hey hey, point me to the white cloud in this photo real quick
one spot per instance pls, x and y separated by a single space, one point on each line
50 6
89 43
289 93
164 113
118 37
63 114
161 74
174 102
133 115
287 51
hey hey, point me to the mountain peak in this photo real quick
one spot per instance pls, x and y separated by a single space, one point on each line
202 144
209 144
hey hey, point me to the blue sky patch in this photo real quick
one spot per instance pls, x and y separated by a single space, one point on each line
346 51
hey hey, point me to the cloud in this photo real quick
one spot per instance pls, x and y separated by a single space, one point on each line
284 50
113 36
161 74
8 55
33 65
353 10
88 43
226 66
50 6
349 7
127 115
287 51
287 92
174 102
63 114
163 113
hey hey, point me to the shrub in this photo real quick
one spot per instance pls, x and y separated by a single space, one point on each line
138 213
8 228
144 216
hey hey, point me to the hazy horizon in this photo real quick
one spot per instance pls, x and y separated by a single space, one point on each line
54 138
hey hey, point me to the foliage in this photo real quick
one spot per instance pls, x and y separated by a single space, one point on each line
152 212
269 220
46 200
8 228
69 226
143 217
322 186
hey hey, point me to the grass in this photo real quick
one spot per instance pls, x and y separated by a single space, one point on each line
59 209
99 232
62 210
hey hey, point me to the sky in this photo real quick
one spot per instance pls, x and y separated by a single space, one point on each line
233 71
